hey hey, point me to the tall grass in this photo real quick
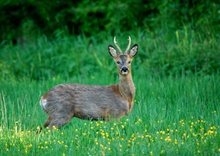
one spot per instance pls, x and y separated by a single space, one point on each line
171 116
162 53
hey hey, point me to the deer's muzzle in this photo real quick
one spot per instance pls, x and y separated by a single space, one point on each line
124 70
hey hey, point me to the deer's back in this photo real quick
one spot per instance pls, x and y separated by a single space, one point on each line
85 101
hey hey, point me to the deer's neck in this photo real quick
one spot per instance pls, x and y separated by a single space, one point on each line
126 87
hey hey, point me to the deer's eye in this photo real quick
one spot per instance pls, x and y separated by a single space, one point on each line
129 62
118 62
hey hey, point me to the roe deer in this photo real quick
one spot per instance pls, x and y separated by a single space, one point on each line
65 101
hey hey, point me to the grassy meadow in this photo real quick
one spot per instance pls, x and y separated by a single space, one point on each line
171 116
176 110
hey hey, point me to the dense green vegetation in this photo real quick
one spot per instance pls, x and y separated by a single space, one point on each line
23 20
174 53
46 39
176 73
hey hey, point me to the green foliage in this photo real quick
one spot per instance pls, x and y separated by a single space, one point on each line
46 59
43 39
23 20
181 52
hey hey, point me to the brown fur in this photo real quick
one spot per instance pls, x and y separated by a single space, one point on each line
65 101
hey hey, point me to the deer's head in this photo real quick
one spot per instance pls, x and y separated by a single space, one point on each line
123 61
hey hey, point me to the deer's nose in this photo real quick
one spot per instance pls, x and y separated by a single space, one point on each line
124 70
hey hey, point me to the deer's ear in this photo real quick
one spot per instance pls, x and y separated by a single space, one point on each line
112 51
133 50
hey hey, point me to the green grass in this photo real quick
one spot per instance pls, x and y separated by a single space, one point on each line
163 52
171 116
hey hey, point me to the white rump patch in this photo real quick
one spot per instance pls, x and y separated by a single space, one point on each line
43 103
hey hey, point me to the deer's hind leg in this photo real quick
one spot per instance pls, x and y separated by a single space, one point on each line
47 122
58 120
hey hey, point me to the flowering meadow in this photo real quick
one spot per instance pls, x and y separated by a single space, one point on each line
193 137
171 116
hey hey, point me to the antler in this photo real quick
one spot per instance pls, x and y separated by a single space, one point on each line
129 44
120 51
